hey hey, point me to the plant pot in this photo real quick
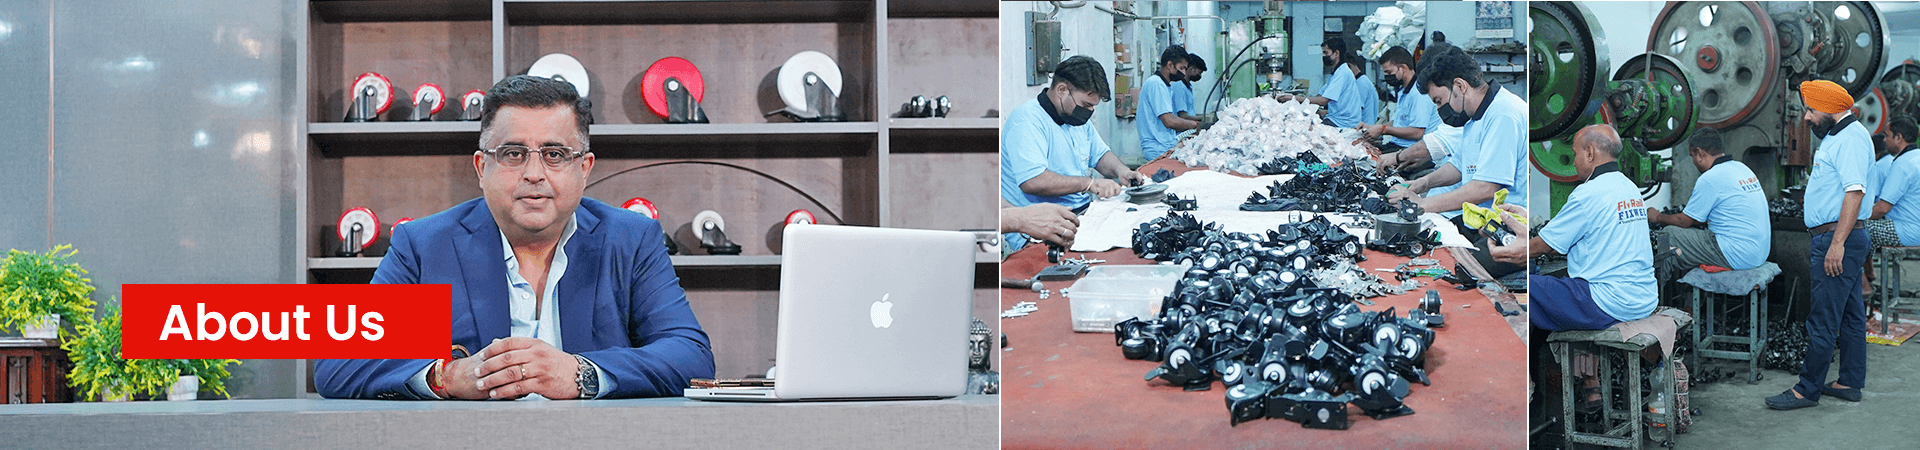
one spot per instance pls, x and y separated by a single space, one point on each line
48 327
188 388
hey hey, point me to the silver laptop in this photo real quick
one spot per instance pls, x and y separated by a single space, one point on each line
867 313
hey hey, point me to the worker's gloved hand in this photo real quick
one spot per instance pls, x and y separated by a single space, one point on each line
1104 188
1132 178
1044 221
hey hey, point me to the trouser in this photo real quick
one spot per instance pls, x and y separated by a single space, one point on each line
1684 249
1563 304
1883 232
1481 254
1838 317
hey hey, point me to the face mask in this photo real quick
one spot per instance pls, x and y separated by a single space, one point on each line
1176 76
1326 60
1394 81
1453 118
1078 117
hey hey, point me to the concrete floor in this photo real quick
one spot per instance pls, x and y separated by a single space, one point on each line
1734 416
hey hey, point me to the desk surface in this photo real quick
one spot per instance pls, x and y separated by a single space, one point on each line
1073 390
964 422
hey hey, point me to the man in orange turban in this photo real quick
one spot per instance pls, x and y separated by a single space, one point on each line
1836 187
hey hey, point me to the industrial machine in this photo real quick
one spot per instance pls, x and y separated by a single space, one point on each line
1898 93
1735 64
1751 57
1650 100
1257 53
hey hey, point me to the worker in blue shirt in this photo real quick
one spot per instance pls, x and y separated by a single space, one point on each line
1895 221
1728 201
1413 113
1156 120
1183 96
1603 231
1493 151
1837 187
1348 94
1048 151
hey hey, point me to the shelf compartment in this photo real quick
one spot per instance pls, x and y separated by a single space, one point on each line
341 11
617 12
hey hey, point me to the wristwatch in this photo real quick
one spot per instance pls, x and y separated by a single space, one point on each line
588 380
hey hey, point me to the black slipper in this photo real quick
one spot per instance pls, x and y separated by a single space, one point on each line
1852 395
1786 401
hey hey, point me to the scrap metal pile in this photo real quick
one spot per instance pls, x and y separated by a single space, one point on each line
1257 130
1250 314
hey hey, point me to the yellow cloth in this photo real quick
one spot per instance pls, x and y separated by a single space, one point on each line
1825 96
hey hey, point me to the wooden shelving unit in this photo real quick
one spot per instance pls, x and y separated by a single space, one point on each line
874 170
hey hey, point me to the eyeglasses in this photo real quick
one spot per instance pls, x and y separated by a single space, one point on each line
516 155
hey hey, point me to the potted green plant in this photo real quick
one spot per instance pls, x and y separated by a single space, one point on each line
37 289
100 372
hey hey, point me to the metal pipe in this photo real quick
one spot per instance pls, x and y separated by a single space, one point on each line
1223 22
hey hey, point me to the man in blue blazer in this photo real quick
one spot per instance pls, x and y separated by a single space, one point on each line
553 295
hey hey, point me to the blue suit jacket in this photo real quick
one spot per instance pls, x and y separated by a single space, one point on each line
621 305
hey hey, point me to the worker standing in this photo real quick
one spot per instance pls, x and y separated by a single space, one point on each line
1836 188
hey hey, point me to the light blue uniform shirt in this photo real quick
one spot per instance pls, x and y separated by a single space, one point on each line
1414 109
1603 231
1500 133
1903 183
1844 162
1880 168
521 309
1728 198
1350 98
1156 98
1031 143
1182 97
1448 138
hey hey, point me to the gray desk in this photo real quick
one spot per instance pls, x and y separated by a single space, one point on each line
965 422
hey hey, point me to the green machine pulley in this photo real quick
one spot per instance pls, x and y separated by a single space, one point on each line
1649 101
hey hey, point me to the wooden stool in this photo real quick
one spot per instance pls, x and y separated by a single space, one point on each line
1621 428
1710 287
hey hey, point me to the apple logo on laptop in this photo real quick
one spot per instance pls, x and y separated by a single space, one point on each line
882 312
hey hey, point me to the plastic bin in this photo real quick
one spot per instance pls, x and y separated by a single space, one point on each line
1110 294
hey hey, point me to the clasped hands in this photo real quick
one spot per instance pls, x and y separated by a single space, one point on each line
511 368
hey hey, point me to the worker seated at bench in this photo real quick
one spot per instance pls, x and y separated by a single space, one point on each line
1603 231
1727 201
1896 221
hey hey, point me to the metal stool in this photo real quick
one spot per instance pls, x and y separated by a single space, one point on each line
1887 293
1622 428
1704 286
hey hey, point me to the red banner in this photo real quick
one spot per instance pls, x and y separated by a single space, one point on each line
286 321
